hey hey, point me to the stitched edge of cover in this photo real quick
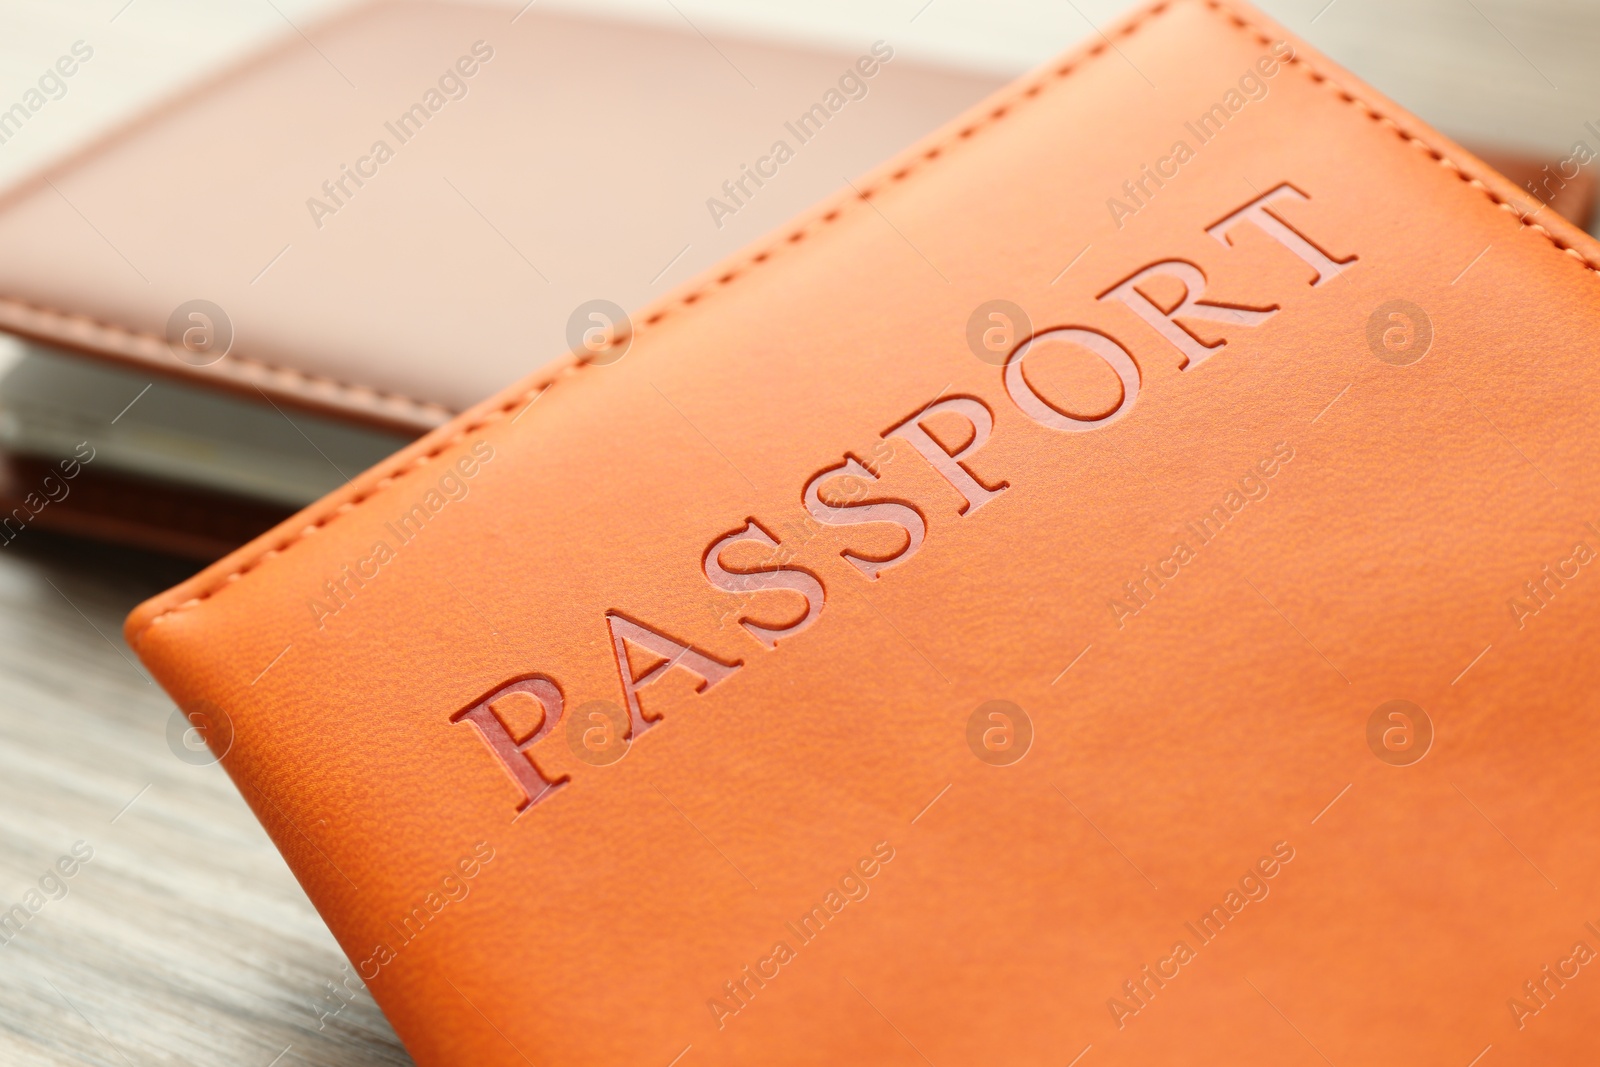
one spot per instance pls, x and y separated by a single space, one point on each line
1371 112
65 320
1053 76
64 327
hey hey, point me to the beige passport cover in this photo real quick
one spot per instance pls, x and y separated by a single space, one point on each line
574 163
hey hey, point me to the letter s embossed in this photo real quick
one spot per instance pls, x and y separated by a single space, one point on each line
768 576
860 512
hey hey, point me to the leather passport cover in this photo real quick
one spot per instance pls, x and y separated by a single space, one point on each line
108 505
1114 586
410 181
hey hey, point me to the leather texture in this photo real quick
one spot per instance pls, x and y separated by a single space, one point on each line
109 505
573 163
1212 764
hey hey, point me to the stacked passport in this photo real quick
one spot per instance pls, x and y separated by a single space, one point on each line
297 267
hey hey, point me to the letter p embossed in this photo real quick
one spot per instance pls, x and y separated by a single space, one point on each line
512 753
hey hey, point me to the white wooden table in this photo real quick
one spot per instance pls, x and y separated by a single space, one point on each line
185 940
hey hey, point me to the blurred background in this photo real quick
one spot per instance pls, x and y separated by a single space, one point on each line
1516 73
184 939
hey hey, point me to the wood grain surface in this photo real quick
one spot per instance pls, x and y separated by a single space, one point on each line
185 939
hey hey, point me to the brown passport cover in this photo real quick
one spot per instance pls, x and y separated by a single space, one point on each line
575 162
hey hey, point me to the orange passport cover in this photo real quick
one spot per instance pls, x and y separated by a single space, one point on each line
1111 587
